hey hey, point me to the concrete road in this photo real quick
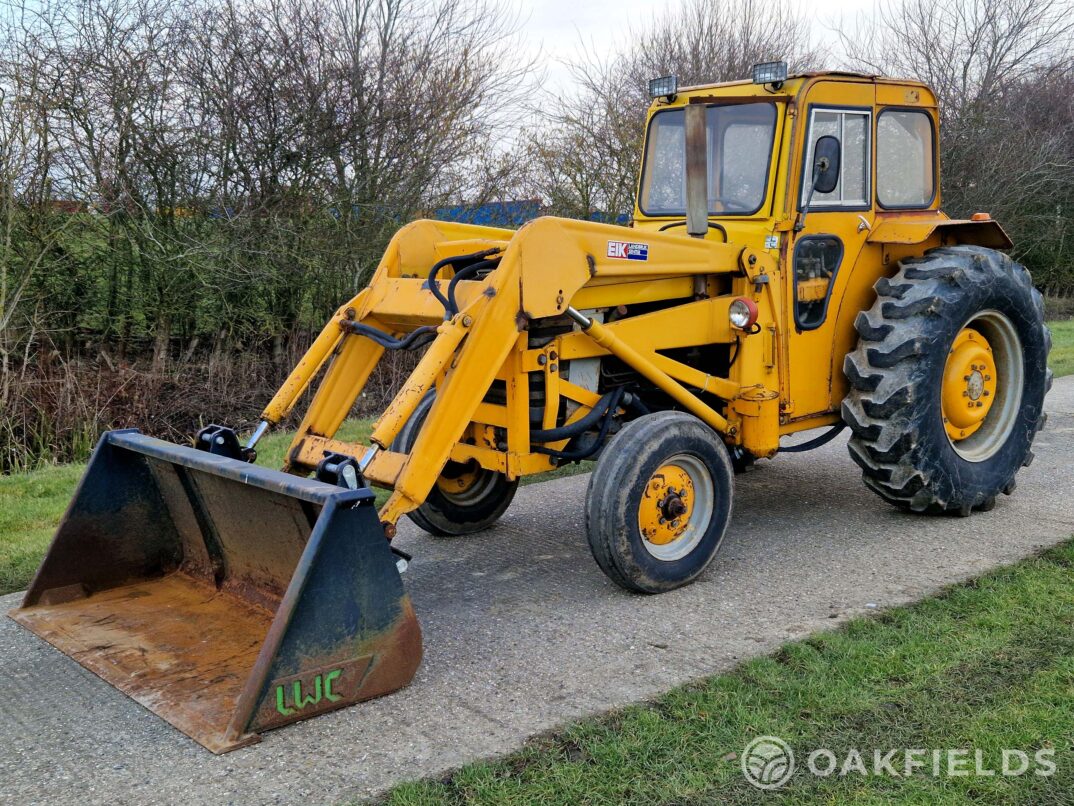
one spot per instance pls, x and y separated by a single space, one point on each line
523 633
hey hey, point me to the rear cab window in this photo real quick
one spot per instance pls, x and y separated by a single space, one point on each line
905 159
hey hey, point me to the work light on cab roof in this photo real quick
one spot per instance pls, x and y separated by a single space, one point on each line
664 87
774 73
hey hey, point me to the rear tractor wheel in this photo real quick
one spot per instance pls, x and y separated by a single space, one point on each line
659 502
467 498
948 381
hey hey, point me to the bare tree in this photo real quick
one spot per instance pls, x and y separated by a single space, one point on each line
180 173
1003 71
588 163
969 51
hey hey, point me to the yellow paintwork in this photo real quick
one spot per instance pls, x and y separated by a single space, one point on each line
911 230
969 384
657 524
783 378
646 365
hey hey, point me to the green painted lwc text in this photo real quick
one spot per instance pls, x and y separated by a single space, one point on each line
322 688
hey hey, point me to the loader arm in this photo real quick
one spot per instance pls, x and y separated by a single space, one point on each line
547 267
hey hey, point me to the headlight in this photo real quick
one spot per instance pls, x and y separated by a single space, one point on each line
743 313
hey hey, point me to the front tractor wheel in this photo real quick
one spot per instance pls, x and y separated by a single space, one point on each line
467 498
948 381
659 502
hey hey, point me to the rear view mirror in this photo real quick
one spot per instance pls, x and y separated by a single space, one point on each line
826 153
826 164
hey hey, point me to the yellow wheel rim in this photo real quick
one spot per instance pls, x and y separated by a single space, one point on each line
458 478
666 505
969 384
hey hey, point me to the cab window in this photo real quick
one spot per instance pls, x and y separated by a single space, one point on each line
851 128
739 143
905 164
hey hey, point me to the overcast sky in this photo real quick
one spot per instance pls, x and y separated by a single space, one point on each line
555 30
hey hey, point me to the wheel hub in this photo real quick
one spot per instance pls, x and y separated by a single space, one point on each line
666 505
969 384
458 478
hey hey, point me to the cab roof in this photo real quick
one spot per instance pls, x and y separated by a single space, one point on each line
808 75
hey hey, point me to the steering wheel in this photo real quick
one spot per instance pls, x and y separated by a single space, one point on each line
731 205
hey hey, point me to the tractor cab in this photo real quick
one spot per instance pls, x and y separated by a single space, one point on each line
824 172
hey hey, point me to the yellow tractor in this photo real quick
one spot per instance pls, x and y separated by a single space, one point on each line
788 268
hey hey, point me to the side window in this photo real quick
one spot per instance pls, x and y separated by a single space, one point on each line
905 165
816 260
851 126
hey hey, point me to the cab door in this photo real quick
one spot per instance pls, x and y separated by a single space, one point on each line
822 254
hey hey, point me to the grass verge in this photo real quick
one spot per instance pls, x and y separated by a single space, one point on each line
1061 359
984 666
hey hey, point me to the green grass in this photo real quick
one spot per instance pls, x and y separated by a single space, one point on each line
1061 359
31 505
986 665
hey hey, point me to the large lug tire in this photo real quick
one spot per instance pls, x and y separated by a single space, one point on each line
465 499
948 381
659 502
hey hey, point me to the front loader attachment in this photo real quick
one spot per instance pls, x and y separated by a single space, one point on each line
225 597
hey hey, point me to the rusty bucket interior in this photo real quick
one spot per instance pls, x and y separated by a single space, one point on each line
224 597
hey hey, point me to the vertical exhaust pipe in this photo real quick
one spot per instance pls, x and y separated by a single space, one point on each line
697 191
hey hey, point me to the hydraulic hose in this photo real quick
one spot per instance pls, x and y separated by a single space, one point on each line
463 274
586 450
447 262
418 337
712 224
579 427
816 442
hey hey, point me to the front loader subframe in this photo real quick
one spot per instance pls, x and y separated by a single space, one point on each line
550 268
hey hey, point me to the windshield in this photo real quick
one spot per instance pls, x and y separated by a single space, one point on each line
739 152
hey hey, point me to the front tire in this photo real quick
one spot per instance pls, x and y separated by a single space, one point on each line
948 380
659 502
466 498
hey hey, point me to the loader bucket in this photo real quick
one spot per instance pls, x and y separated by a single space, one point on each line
224 597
